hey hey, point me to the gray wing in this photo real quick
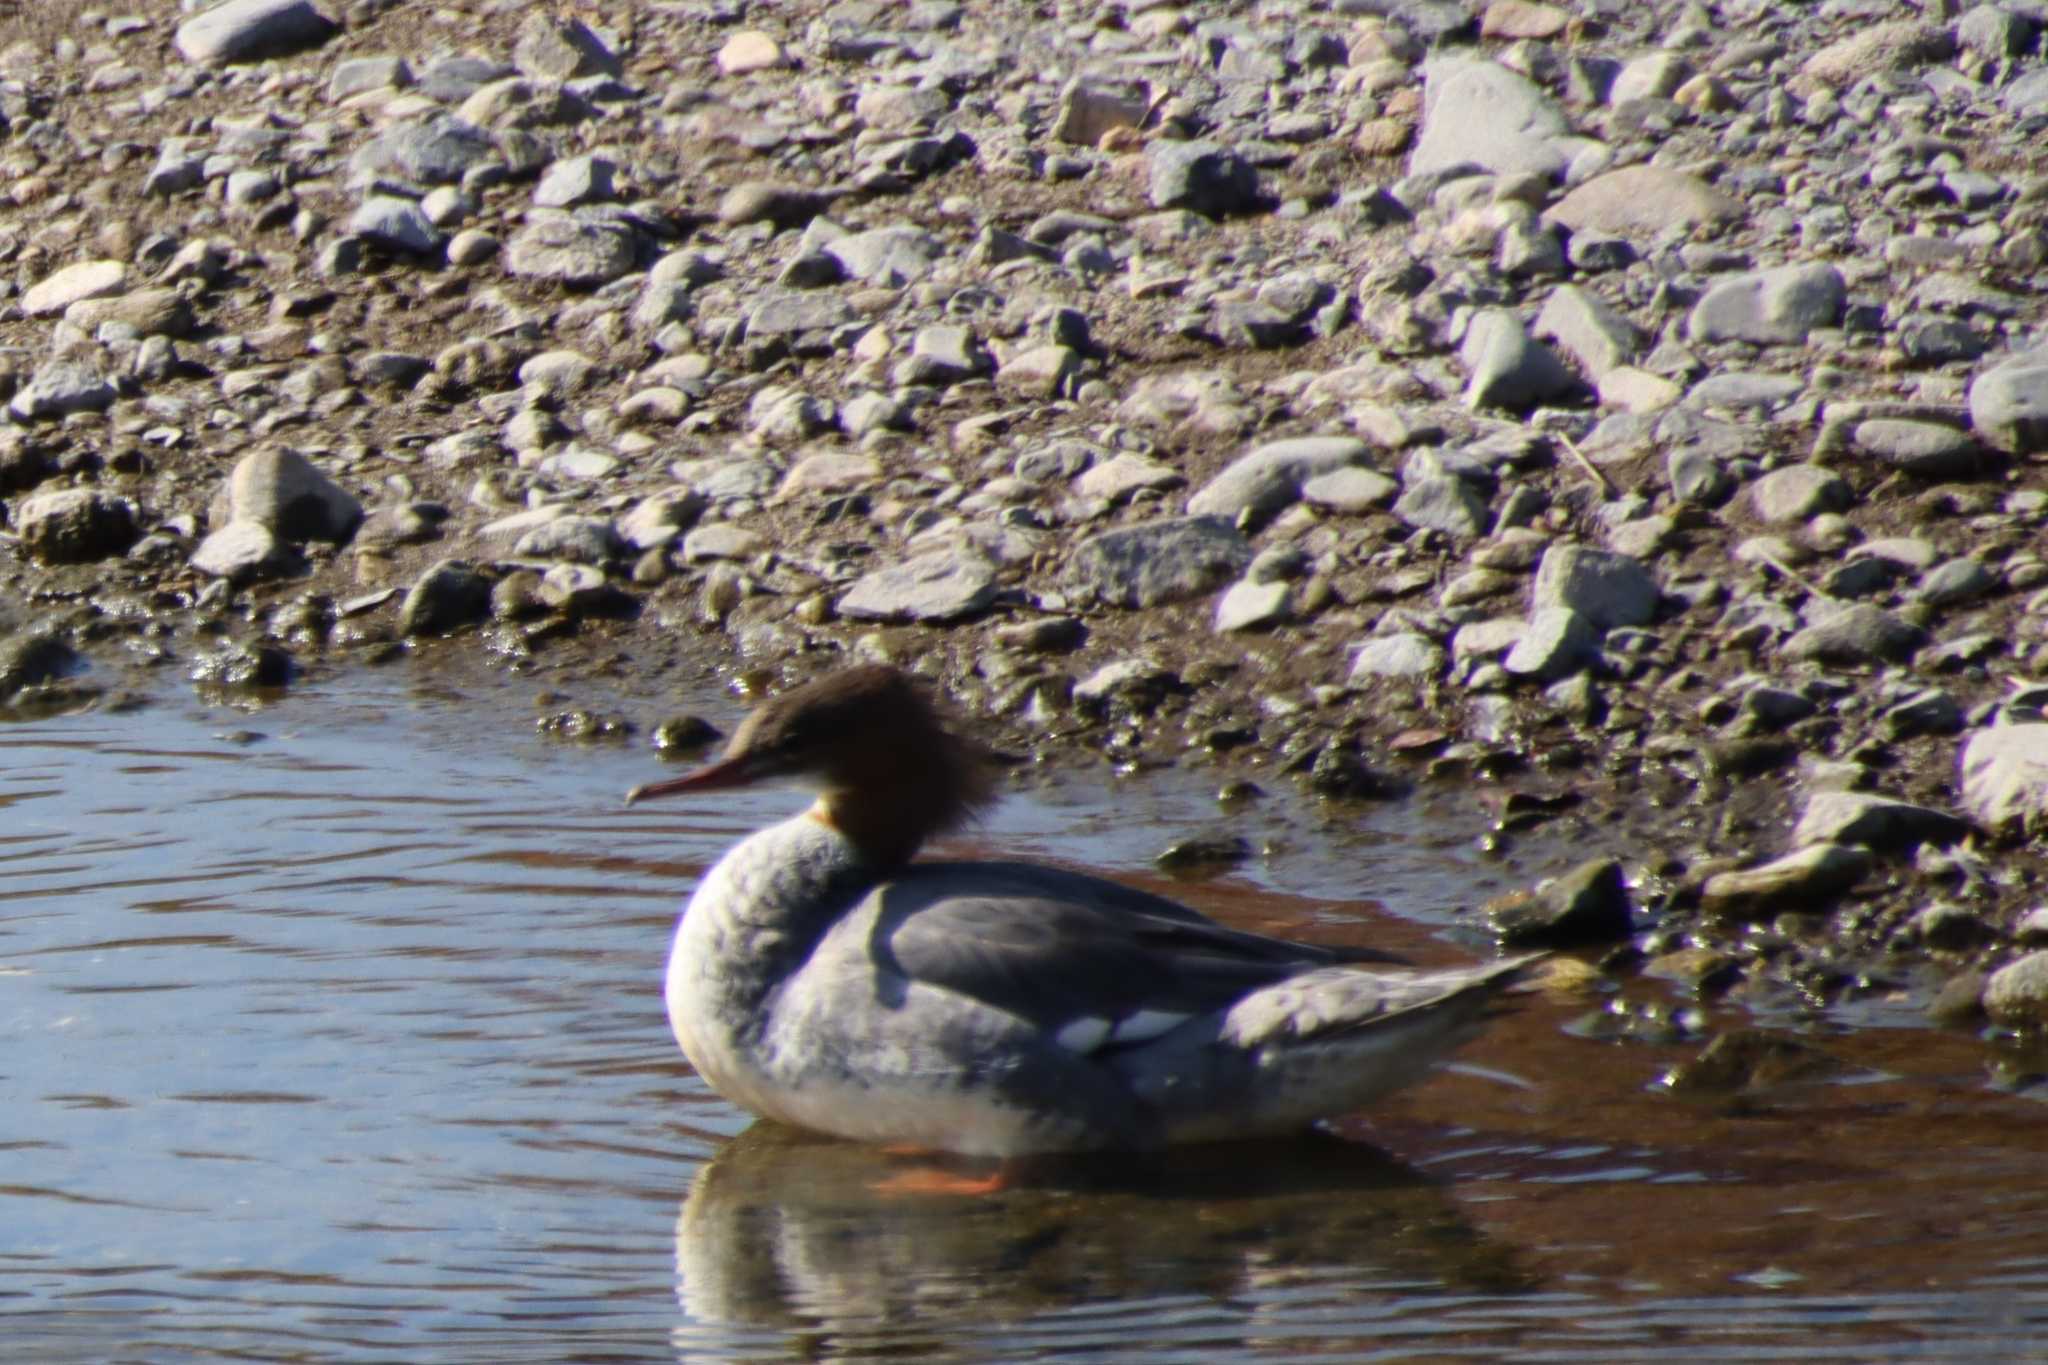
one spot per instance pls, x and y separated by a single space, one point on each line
1097 964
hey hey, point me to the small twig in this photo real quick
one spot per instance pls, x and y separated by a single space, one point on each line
1587 465
1782 567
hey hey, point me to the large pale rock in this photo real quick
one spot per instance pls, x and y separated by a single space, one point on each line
1270 478
281 489
1478 112
571 251
2009 403
1793 882
2004 777
1156 562
75 525
1509 368
1770 307
86 280
1882 823
941 585
251 30
1644 201
1606 588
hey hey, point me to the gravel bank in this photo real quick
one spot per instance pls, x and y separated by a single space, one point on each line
1633 411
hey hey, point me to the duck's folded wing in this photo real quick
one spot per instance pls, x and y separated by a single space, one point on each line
1091 964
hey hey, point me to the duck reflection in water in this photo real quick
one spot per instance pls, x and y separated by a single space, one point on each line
786 1230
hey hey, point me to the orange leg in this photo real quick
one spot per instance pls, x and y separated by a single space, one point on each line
931 1178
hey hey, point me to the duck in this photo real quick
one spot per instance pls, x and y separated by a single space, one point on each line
825 976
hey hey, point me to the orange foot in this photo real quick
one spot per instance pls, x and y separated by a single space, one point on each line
936 1180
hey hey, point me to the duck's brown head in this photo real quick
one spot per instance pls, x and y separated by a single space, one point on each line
889 771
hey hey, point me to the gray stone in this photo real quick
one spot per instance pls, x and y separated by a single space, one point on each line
1995 32
571 251
1350 489
1269 478
661 517
2009 402
887 257
252 30
440 151
1883 823
573 538
2017 993
1204 177
1589 328
397 225
2003 773
1435 498
1963 579
1797 492
779 314
448 596
562 50
575 180
1402 655
1744 389
942 585
1794 882
244 551
1508 368
1092 105
945 354
759 201
1770 307
1644 202
1928 450
360 75
1476 112
74 283
281 489
178 168
1605 588
1858 634
60 388
1589 904
1558 643
1250 604
1156 562
75 525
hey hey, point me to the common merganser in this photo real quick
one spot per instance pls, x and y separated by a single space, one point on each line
822 978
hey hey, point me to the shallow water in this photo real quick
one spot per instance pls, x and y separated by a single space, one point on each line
332 1030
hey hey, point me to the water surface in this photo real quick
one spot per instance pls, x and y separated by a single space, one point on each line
332 1031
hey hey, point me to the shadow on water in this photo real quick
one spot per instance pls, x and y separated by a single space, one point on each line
333 1030
785 1230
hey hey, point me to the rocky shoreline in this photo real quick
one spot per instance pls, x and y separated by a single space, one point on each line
1635 412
